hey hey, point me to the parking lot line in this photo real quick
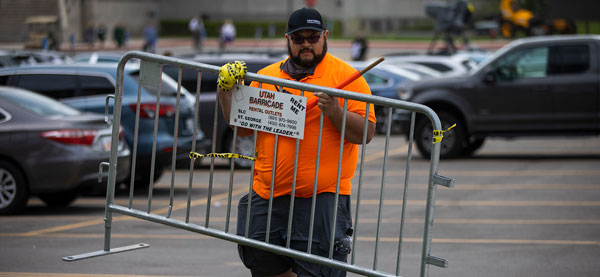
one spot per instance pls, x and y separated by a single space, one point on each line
391 202
489 203
101 220
47 274
487 241
493 186
359 238
519 221
489 221
493 173
485 203
380 154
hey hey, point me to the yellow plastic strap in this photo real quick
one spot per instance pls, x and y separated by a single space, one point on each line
438 135
194 155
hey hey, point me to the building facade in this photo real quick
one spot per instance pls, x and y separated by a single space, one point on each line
373 16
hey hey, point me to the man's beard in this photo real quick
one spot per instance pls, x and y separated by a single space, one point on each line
307 63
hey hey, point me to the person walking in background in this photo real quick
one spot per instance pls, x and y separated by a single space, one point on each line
310 63
227 34
119 35
72 42
359 47
88 35
150 38
101 33
196 25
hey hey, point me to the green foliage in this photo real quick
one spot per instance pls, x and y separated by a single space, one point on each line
174 27
592 26
422 25
248 29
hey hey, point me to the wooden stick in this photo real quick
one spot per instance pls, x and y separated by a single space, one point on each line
313 102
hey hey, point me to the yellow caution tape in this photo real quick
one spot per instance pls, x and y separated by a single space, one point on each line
439 134
230 73
194 155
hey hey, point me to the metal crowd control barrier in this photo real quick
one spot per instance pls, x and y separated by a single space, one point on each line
151 69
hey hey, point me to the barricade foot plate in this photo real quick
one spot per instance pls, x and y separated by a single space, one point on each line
103 253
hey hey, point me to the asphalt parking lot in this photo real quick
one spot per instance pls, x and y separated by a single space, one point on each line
524 207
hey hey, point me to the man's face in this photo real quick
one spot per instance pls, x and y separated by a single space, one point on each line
311 50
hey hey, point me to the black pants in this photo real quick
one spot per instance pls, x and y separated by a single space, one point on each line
263 263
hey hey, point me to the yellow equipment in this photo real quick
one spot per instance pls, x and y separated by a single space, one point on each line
514 18
42 32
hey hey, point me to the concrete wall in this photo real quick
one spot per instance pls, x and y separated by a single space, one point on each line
378 16
133 14
237 9
350 12
14 12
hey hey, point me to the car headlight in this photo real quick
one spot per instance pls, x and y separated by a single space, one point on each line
404 93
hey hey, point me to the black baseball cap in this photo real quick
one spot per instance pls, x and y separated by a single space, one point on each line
305 19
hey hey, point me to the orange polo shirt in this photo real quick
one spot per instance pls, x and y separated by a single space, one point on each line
329 72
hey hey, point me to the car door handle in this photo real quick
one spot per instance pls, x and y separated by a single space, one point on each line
541 88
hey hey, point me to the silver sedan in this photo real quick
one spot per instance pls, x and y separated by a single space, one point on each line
51 150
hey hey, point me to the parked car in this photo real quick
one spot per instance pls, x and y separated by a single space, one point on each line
386 81
28 57
23 57
208 96
85 87
51 150
539 86
454 65
97 57
6 58
476 55
424 72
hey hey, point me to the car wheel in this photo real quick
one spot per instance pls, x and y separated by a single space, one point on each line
452 143
13 189
472 145
60 199
244 146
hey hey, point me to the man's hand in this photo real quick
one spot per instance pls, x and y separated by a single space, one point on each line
329 105
230 73
331 108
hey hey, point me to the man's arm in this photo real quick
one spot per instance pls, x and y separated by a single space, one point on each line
225 103
229 75
331 108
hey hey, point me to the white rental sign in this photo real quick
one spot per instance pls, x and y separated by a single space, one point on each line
268 111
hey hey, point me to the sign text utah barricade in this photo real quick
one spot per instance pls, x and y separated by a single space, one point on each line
268 111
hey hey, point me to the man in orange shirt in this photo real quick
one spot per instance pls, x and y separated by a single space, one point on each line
308 62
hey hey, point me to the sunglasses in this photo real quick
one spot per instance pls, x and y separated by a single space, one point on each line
312 39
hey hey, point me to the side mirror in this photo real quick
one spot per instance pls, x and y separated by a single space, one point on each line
489 77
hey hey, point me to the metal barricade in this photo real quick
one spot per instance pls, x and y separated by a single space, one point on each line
151 71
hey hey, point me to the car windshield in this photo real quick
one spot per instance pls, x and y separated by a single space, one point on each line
36 103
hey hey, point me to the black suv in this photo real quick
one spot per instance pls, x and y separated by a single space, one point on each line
541 86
